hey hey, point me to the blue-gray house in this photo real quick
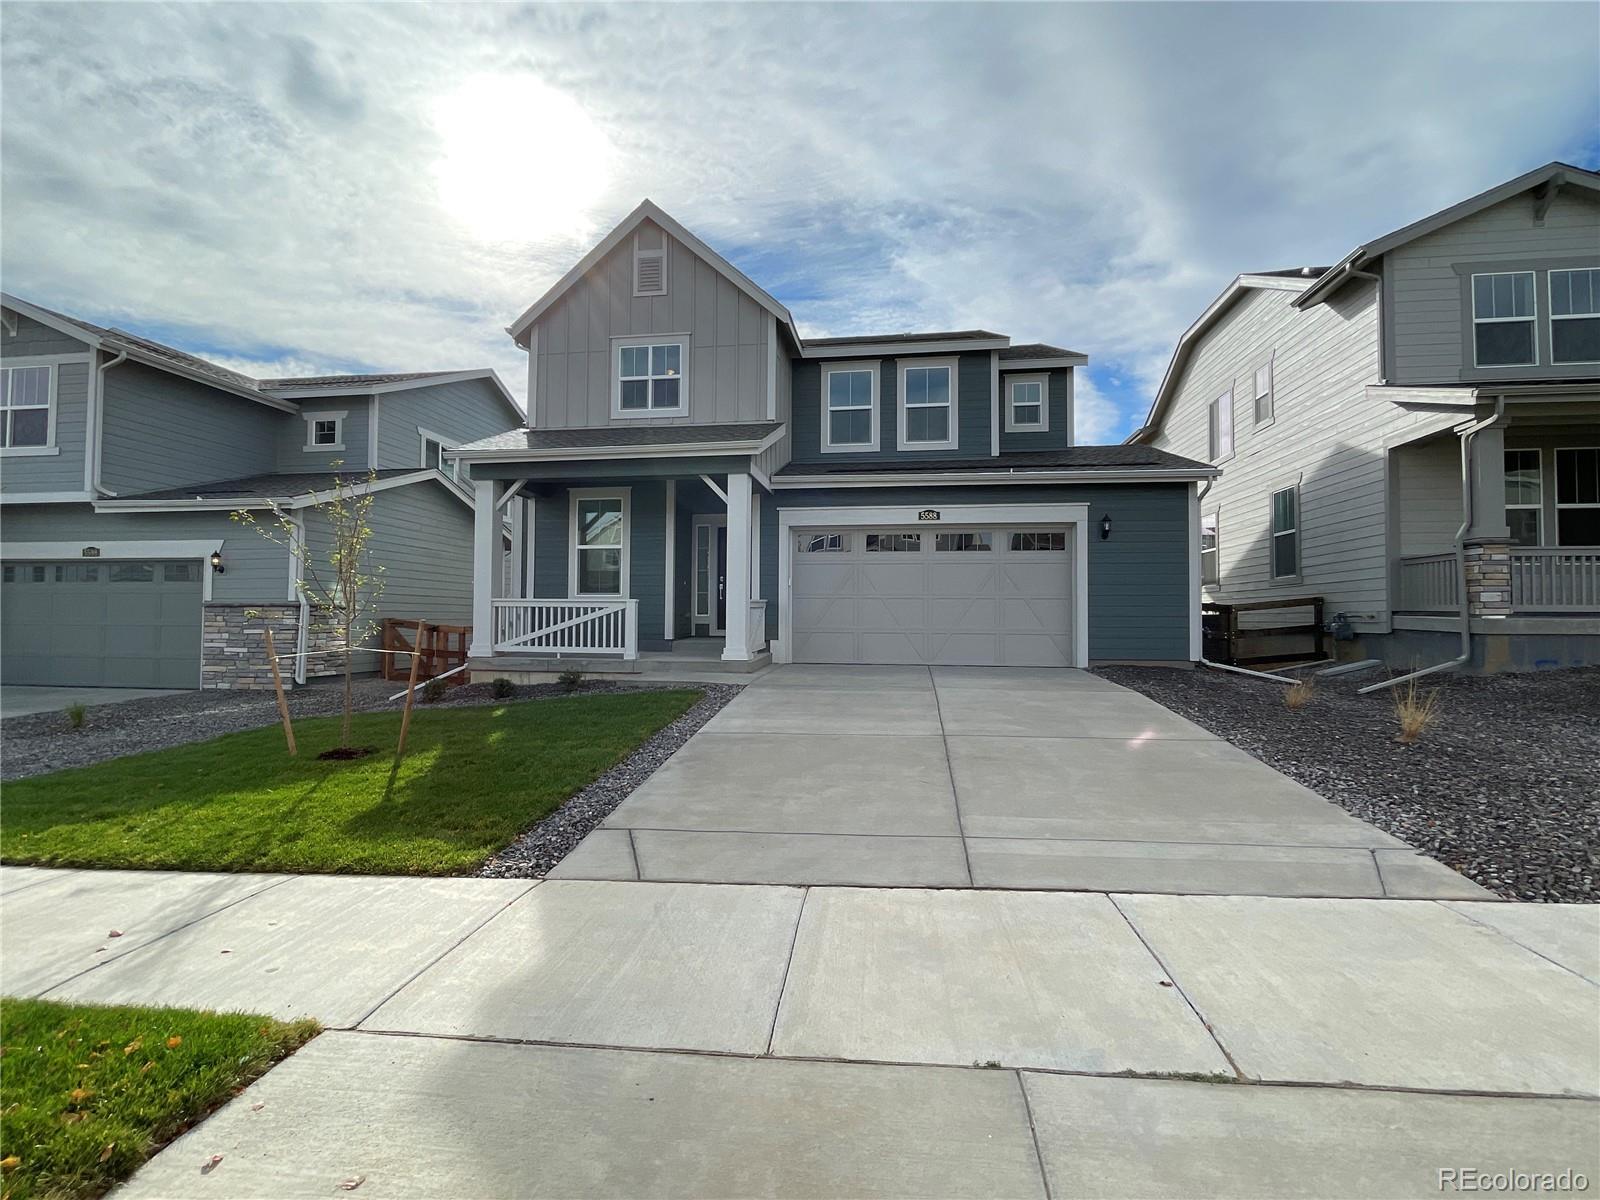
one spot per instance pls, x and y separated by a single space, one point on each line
121 460
695 470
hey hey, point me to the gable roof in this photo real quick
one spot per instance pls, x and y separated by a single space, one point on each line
275 393
648 211
1552 177
1276 281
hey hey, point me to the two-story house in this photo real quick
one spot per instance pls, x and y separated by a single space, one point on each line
121 460
1414 433
696 471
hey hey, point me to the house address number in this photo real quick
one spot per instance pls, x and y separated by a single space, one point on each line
928 514
91 552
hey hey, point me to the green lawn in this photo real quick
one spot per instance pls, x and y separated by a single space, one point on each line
88 1093
472 779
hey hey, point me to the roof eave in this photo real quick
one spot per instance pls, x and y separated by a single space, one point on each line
1004 476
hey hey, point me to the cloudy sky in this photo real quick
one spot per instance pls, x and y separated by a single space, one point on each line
299 189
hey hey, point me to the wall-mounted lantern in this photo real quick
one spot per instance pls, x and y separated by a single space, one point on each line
216 562
1105 527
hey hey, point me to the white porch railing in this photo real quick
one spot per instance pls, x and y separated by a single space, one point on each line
1429 583
567 628
1555 579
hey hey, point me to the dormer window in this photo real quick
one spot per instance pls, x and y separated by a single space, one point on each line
1027 404
927 404
649 262
650 380
325 431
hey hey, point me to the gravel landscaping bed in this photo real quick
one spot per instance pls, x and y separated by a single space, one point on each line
552 839
1504 788
42 742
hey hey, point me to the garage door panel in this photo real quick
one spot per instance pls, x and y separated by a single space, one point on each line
881 579
963 649
891 614
1040 614
1035 578
825 612
953 615
960 577
879 647
824 647
83 605
1035 650
828 577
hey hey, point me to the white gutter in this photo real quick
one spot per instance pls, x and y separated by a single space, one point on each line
1464 602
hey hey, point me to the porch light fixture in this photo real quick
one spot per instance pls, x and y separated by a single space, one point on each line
216 562
1105 527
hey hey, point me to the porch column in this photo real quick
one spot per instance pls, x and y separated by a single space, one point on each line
1489 486
519 544
485 545
736 642
669 615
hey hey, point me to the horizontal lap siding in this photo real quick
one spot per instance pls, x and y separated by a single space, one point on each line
458 412
294 431
972 414
63 471
34 338
1138 578
1058 435
162 431
255 571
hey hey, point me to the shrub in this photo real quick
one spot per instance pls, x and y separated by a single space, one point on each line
1298 696
433 691
503 689
571 678
1416 710
76 713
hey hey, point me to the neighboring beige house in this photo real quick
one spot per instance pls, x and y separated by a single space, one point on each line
1413 434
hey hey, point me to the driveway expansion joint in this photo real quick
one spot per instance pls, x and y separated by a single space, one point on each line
783 987
955 794
1033 1132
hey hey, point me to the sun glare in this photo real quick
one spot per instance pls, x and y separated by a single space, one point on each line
520 160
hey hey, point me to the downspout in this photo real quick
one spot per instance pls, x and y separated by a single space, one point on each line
1464 604
100 423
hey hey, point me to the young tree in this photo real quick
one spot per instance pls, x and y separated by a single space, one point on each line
338 579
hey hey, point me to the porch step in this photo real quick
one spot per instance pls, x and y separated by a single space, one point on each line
667 663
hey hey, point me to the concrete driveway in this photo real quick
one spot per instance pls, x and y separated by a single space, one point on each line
991 778
19 701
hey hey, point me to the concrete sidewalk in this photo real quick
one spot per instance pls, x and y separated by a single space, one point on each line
987 777
604 1038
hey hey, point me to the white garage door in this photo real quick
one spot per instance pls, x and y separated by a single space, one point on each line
957 595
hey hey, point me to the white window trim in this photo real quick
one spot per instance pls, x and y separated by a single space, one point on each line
681 341
1533 319
953 365
870 365
1222 404
639 253
1538 508
889 516
1271 368
424 436
53 366
337 417
1556 495
1215 517
1011 423
1550 299
625 494
1274 533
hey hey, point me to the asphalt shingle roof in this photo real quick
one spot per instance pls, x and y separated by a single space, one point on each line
267 487
630 435
1081 458
956 335
346 381
1034 350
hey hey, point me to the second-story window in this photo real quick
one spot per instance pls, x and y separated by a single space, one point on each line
1503 316
25 407
1027 405
1263 393
1220 427
325 430
927 417
1575 316
650 379
850 400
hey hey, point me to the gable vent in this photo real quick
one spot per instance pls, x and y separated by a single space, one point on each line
649 273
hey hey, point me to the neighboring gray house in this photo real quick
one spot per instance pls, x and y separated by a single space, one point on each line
697 472
1413 434
121 460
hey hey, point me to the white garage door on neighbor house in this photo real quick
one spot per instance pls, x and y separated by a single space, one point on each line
102 624
978 596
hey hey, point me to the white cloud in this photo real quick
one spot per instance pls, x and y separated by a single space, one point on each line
389 186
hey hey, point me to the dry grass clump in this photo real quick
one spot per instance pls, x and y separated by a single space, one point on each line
1415 710
1299 694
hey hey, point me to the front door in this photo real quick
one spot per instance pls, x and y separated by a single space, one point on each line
711 572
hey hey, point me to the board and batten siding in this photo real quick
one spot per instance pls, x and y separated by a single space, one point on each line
294 432
1138 577
459 412
160 431
1326 437
572 368
255 571
1424 289
971 416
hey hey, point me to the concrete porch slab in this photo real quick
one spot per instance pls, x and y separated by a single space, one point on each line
1144 1138
1068 712
776 783
898 711
425 1117
1187 869
69 918
1413 876
1566 933
963 977
802 858
604 854
1387 994
1157 790
660 965
810 675
1020 679
330 947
